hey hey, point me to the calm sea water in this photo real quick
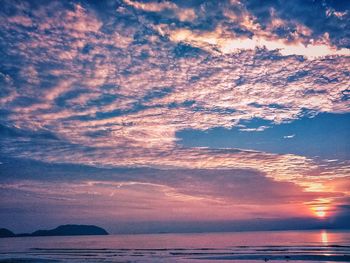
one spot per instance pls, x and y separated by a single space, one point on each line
244 247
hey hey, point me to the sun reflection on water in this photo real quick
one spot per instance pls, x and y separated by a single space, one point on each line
325 242
324 237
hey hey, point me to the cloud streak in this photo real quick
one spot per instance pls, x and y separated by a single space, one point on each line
151 194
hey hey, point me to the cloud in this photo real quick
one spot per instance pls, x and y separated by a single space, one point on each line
112 83
312 15
112 88
246 27
218 40
151 194
183 14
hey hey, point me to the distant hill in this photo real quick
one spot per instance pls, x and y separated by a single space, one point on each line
72 230
64 230
6 233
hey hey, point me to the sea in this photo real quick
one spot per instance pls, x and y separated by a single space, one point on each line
244 247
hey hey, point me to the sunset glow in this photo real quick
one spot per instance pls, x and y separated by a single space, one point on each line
171 113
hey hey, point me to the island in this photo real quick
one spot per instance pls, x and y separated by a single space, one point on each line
6 233
64 230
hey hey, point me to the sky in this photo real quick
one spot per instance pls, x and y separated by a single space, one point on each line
175 115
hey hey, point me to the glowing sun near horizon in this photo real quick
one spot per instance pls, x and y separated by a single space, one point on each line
320 212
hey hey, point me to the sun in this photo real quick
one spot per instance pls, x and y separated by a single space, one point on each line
320 211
